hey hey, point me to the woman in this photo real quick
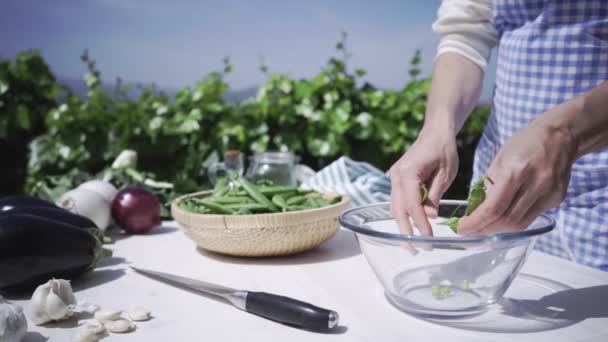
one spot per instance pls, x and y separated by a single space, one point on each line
545 144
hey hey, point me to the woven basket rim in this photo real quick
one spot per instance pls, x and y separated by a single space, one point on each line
283 215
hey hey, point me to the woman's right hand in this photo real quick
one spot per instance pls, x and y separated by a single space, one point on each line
432 160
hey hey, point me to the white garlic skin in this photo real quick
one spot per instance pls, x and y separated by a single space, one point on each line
85 334
53 301
120 326
107 315
13 325
139 314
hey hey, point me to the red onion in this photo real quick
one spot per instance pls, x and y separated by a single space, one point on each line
136 210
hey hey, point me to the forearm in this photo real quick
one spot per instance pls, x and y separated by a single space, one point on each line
584 119
455 90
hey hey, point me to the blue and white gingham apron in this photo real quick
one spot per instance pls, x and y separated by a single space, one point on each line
549 52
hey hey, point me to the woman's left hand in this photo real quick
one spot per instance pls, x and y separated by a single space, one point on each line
530 174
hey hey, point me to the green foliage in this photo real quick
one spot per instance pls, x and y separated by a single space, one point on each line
334 113
27 92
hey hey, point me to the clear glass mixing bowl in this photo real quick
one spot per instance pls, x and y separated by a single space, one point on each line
446 275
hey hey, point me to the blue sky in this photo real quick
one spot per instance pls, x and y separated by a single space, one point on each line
174 43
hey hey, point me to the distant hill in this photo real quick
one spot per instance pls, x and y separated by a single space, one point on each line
79 88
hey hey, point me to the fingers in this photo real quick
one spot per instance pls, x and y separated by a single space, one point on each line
530 215
415 209
398 208
436 190
499 197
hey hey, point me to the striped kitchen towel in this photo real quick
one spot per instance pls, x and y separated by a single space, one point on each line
363 183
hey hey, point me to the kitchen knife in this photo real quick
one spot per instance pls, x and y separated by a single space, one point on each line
277 308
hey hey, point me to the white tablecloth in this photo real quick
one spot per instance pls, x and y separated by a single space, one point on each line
335 276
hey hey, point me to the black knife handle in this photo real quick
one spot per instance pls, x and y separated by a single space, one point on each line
290 311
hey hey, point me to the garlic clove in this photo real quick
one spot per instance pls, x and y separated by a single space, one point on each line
63 289
92 324
139 314
120 326
56 308
90 331
86 307
37 307
107 315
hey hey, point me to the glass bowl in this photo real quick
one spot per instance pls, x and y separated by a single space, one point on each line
446 275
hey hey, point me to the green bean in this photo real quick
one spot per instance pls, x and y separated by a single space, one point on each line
279 201
256 195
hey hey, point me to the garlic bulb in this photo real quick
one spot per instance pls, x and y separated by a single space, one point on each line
13 324
53 301
89 204
103 188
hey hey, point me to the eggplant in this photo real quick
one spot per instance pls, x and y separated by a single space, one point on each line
55 214
34 249
17 201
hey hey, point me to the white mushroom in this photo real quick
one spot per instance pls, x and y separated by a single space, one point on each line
107 315
139 314
120 326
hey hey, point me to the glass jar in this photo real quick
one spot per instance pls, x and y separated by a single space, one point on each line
232 164
277 167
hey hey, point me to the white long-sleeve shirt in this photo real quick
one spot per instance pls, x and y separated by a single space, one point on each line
465 27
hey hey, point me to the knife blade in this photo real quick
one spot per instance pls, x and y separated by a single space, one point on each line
274 307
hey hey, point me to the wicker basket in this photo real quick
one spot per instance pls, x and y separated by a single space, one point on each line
260 234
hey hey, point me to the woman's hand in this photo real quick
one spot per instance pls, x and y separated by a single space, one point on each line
432 160
530 174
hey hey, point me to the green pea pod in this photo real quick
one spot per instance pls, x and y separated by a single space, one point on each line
296 200
477 196
452 222
230 199
298 207
335 199
221 187
424 192
249 206
279 201
256 195
276 190
216 208
243 211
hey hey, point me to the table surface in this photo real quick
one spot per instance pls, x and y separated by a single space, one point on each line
335 275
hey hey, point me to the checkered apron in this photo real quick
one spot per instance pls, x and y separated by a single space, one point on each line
549 52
